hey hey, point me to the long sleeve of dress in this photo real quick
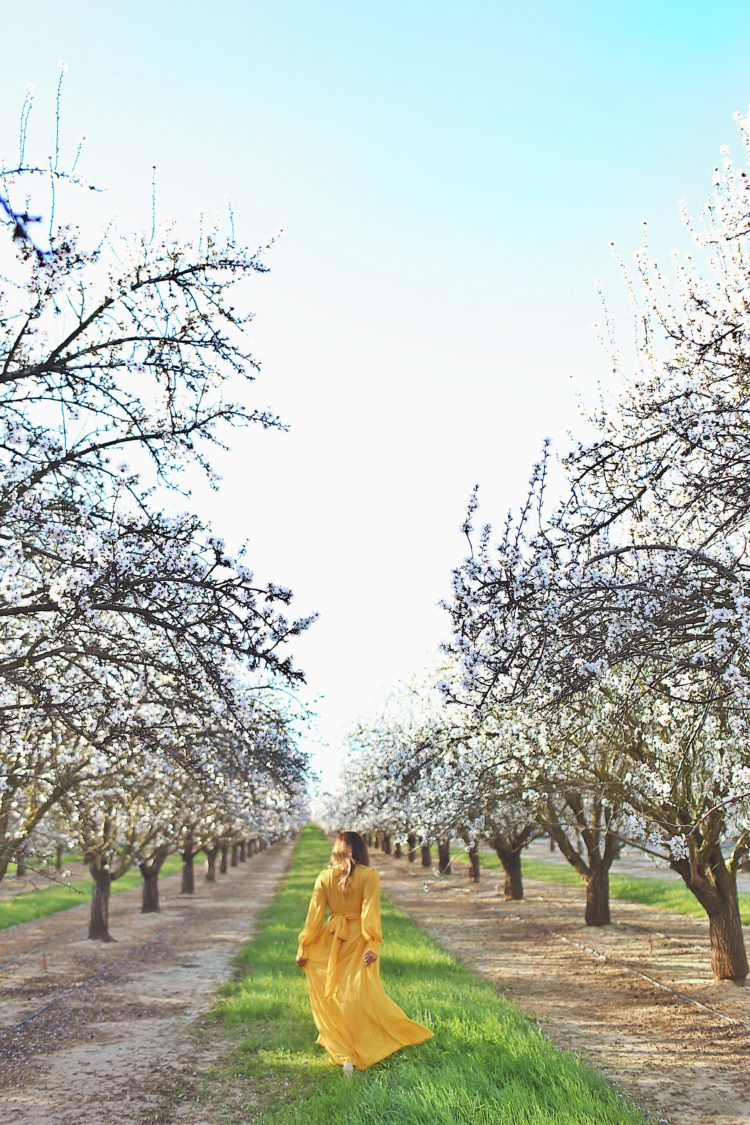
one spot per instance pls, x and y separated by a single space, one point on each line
316 913
371 928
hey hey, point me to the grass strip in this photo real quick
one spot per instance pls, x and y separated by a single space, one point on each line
29 905
36 866
35 862
487 1065
664 894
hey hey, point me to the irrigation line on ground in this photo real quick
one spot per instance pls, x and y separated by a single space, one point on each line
101 975
681 942
606 957
601 956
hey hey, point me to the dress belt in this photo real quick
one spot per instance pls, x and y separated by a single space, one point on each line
337 927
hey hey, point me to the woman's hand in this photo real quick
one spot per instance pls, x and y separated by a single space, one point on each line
301 962
369 957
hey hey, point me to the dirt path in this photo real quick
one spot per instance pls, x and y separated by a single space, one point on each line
636 999
104 1034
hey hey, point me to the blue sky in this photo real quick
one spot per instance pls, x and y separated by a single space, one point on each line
448 177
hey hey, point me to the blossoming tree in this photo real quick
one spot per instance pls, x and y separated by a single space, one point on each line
640 570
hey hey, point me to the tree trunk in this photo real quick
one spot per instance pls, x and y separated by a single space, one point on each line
150 889
511 861
474 863
235 855
426 856
188 872
728 955
597 898
224 862
21 862
412 846
715 887
59 850
99 917
211 854
397 850
243 851
444 856
387 844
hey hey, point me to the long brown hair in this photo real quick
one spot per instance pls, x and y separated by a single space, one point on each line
349 849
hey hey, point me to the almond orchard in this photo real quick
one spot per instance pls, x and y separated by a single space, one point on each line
142 665
592 698
596 685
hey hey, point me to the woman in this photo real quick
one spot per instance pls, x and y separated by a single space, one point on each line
357 1023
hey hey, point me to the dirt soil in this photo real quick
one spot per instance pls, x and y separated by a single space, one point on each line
636 999
108 1034
116 1034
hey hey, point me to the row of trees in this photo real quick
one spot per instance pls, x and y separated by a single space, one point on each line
135 810
590 774
599 683
141 662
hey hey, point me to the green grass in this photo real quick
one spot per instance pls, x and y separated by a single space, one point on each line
28 905
34 864
487 1065
665 894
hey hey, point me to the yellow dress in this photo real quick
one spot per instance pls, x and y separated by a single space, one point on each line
355 1019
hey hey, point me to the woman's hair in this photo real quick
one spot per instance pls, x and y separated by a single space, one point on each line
349 849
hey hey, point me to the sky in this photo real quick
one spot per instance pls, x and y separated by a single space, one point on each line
448 177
